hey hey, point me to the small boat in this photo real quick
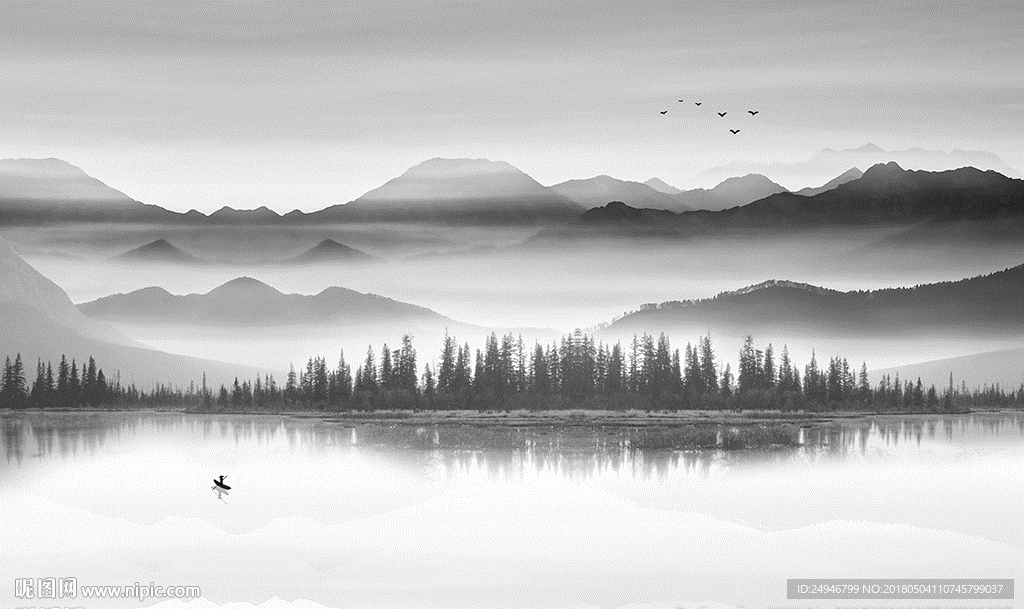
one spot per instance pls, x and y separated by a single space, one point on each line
221 484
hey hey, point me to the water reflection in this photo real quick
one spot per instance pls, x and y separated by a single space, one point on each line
221 493
573 452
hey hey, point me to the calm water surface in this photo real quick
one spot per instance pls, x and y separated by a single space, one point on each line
334 515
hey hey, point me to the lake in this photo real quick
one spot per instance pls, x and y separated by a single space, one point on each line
332 514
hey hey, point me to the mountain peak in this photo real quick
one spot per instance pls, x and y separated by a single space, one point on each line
160 250
869 147
755 185
330 244
230 212
456 179
661 186
439 165
883 173
162 245
778 284
463 190
329 250
244 287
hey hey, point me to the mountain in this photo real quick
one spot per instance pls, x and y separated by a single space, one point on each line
230 215
661 186
886 195
34 191
917 158
248 302
732 192
40 321
328 250
827 163
600 190
847 176
1005 367
987 305
458 191
22 285
159 251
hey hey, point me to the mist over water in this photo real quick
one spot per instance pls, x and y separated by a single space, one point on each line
484 276
585 515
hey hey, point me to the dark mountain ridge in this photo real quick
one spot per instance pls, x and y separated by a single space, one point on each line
984 304
885 195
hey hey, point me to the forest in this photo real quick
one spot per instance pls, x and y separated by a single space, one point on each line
575 372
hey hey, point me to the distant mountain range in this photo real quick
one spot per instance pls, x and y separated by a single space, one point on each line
884 195
601 190
40 321
162 251
732 192
978 306
248 302
828 163
452 191
455 191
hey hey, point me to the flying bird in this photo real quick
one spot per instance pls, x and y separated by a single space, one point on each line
722 113
734 131
664 111
680 100
696 103
753 112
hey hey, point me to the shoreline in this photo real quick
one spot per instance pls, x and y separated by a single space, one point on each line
562 430
540 418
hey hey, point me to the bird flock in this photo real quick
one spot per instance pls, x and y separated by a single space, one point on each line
720 114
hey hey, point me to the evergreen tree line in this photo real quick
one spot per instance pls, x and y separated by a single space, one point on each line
574 372
68 388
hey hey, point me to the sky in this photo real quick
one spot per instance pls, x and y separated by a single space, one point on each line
306 104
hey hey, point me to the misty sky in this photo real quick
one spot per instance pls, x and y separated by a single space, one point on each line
305 104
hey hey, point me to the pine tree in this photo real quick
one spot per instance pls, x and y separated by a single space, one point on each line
634 364
429 390
446 372
786 371
74 387
344 373
291 386
864 386
539 366
768 371
726 388
63 383
707 365
614 382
